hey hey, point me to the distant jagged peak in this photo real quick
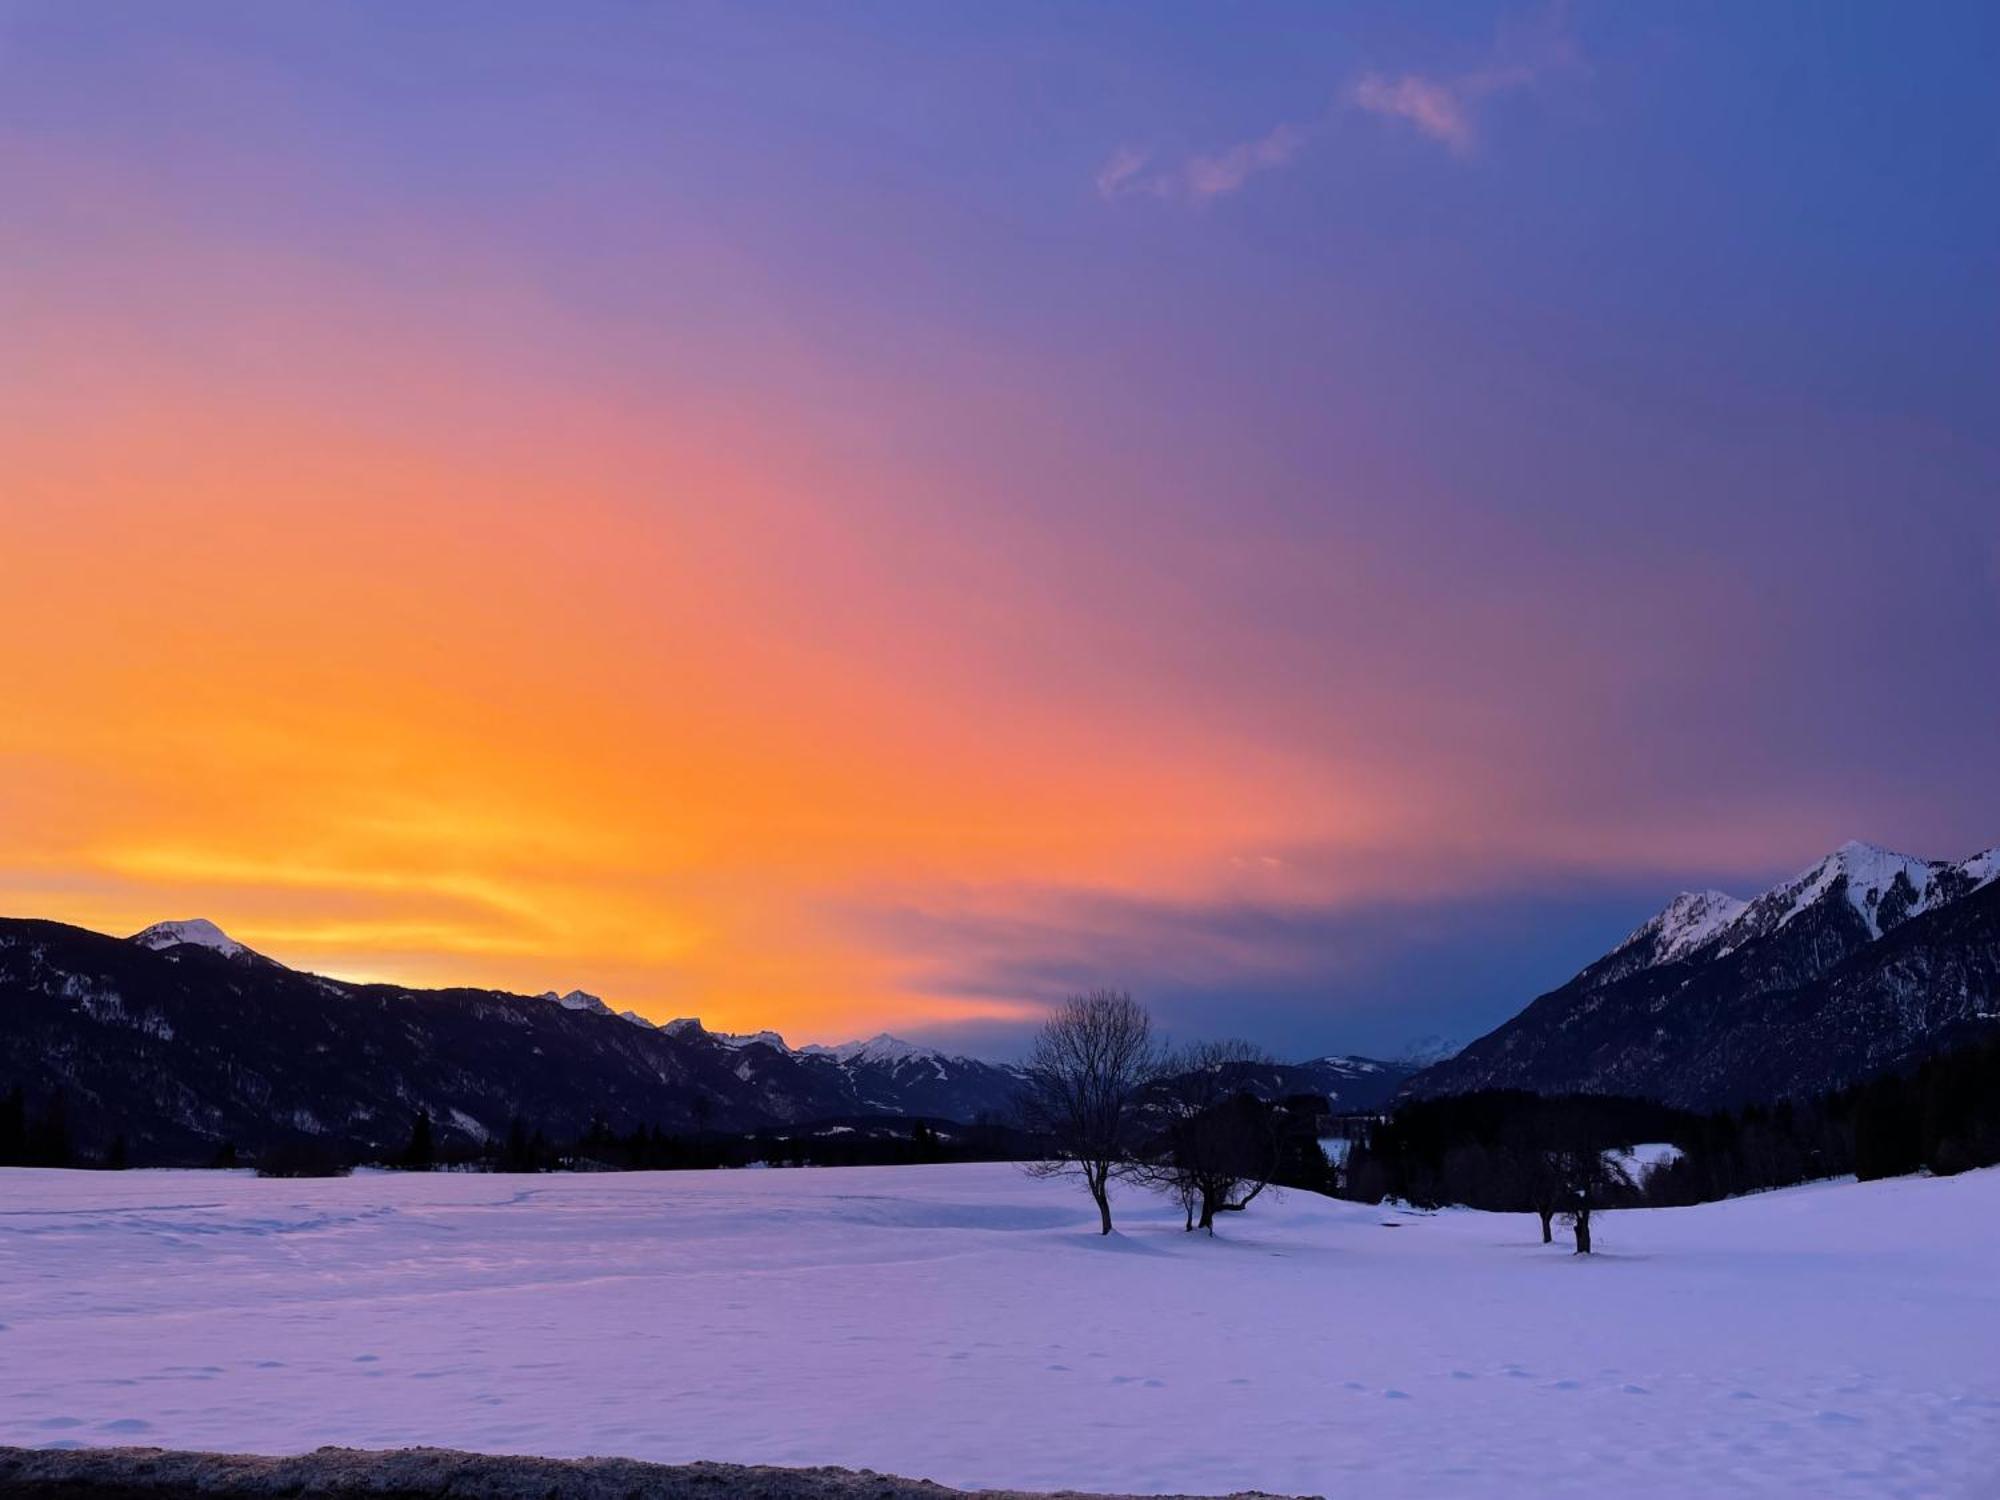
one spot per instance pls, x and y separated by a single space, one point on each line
690 1026
1982 869
881 1047
1885 888
579 1000
1686 923
196 932
1422 1051
1344 1062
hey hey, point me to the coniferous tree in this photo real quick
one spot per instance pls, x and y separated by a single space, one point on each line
49 1142
421 1154
14 1127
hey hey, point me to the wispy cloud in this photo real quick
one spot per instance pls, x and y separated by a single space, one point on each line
1203 176
1438 109
1447 107
1123 172
1222 172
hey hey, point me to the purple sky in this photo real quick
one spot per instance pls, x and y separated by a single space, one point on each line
1554 445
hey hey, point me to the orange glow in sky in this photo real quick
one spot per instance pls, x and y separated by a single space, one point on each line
707 515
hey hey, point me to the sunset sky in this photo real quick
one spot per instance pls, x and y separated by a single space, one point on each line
862 517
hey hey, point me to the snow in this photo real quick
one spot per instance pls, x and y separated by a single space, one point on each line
1636 1163
879 1048
199 931
1982 868
1870 870
964 1323
1695 920
1690 920
578 1000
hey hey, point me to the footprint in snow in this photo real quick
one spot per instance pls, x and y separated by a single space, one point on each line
125 1424
1837 1419
366 1359
1635 1390
1463 1375
1395 1395
1566 1385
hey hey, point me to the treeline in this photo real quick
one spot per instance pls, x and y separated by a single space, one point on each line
1495 1149
650 1148
36 1131
1941 1116
35 1135
1504 1150
1509 1152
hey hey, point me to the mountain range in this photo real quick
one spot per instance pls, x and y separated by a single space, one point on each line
1864 961
180 1038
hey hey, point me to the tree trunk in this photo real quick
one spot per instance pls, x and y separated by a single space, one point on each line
1548 1222
1583 1232
1103 1198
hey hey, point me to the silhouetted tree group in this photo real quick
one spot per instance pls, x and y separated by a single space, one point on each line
1106 1103
1511 1151
36 1135
1940 1116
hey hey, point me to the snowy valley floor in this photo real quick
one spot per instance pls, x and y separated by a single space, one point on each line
962 1324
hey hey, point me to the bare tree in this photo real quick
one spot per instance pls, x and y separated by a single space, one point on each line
1585 1181
1216 1145
1089 1062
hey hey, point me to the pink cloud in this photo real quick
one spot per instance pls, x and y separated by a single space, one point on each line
1435 108
1447 108
1223 172
1202 177
1121 171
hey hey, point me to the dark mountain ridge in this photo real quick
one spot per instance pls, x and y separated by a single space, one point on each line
1863 962
179 1039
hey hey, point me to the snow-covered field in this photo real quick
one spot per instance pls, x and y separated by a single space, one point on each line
962 1323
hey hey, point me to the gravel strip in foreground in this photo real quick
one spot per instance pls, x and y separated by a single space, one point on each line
441 1474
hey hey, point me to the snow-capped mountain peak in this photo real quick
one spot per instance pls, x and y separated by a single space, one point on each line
690 1026
198 931
1883 887
1689 921
578 1000
1345 1063
1981 869
878 1048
